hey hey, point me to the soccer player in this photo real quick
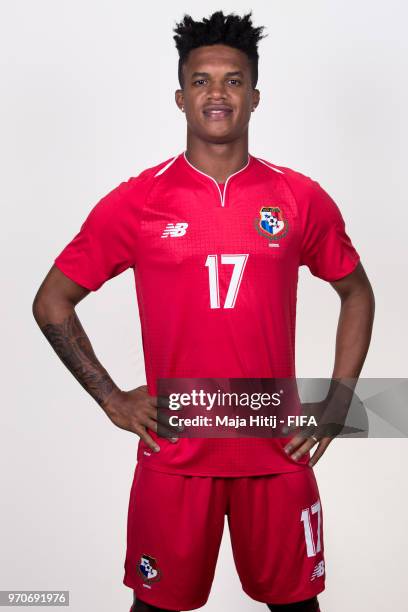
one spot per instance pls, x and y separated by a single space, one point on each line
215 237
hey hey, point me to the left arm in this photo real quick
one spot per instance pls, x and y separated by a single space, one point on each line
355 323
352 341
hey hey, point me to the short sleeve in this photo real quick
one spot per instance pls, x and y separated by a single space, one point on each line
326 248
105 245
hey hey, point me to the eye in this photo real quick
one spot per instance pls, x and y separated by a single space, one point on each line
199 81
234 81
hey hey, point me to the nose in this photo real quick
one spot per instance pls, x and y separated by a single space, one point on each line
216 90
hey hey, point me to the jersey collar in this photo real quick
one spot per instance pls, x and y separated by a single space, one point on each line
212 179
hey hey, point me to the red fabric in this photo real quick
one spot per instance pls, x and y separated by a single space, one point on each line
271 519
164 224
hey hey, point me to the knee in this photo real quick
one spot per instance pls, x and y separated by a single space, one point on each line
308 605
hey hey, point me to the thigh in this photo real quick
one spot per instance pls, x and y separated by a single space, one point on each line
174 530
309 605
276 525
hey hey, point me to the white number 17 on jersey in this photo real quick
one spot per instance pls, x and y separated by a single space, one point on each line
238 261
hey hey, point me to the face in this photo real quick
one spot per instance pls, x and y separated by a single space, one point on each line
217 94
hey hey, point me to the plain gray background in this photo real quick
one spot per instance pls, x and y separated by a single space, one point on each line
88 101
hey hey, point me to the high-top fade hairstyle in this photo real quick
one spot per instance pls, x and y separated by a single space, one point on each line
231 30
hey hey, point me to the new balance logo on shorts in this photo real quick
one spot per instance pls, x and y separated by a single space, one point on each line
174 230
318 570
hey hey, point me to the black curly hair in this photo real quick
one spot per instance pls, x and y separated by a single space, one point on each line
231 30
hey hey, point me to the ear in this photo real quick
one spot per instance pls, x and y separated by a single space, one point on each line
255 98
179 97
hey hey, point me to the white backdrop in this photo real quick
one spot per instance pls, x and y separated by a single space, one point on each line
87 101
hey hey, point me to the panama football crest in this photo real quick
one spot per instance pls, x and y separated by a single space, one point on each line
271 223
148 569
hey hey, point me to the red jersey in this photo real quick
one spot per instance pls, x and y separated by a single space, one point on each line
216 272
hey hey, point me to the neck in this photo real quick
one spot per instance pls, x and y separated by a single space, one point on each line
217 160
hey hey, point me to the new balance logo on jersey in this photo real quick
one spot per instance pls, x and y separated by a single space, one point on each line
318 570
174 230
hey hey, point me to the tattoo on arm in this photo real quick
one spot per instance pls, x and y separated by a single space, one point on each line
73 347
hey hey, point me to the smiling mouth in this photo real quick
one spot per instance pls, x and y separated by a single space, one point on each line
217 114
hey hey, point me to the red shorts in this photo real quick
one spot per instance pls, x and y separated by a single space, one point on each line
175 525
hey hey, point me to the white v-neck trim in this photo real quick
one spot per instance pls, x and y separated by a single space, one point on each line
222 193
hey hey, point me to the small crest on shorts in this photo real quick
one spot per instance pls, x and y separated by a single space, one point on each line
271 223
148 569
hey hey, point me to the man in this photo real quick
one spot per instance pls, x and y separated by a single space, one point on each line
215 237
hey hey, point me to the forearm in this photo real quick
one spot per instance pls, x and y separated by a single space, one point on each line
353 334
353 338
352 342
63 330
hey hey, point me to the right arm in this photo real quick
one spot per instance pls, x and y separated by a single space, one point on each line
54 311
